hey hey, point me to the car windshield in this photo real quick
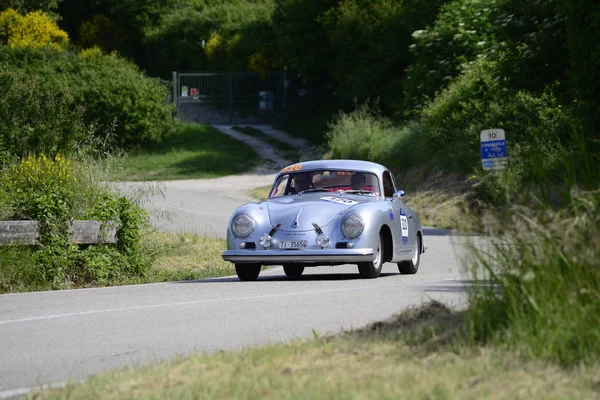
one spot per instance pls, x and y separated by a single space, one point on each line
355 182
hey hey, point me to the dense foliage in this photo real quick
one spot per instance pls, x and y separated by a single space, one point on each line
103 90
37 119
34 29
55 191
26 6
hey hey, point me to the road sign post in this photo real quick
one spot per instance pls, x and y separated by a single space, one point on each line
493 149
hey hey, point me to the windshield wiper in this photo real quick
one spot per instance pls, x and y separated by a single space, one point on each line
313 190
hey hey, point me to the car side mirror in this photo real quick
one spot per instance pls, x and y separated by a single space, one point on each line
399 194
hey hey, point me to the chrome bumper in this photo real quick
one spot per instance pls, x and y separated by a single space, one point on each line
330 256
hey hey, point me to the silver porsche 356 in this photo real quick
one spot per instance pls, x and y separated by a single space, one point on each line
327 212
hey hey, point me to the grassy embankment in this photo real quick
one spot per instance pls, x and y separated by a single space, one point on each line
419 354
191 152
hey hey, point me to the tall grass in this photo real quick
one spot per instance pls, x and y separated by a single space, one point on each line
363 134
543 269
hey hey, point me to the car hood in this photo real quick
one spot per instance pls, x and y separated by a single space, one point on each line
297 213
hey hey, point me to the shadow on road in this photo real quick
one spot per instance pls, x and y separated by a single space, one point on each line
283 278
454 286
429 231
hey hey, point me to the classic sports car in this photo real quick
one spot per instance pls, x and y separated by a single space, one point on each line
326 212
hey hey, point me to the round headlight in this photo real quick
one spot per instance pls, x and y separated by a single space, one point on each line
242 225
322 240
352 226
265 241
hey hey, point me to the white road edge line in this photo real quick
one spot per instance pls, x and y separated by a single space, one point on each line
22 391
185 303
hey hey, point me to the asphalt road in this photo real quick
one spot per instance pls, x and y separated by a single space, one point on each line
55 337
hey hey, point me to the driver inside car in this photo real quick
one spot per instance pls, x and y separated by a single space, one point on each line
358 181
302 181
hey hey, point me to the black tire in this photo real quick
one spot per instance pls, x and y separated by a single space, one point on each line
293 270
411 266
247 272
372 269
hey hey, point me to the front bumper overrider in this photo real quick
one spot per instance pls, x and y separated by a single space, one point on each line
314 256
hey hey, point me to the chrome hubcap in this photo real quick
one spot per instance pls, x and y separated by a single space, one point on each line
377 255
415 258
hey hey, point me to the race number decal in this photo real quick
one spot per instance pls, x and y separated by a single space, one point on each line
292 168
346 202
404 225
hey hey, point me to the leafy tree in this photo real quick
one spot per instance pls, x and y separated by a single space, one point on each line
232 32
370 49
34 29
463 32
302 39
26 6
535 35
113 24
583 27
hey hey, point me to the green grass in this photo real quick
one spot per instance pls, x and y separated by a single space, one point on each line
192 152
174 257
546 265
419 354
288 150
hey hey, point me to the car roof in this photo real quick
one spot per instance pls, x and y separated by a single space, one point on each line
354 165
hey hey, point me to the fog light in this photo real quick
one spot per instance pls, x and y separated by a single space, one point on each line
322 240
242 245
265 241
350 245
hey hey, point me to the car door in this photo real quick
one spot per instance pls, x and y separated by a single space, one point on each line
400 218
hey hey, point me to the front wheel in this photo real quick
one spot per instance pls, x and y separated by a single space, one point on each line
247 272
372 269
411 266
293 271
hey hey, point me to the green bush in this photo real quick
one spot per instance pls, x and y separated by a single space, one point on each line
463 32
37 119
56 192
115 93
535 124
363 134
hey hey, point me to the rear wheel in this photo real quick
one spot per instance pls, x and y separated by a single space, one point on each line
372 269
247 272
411 266
293 270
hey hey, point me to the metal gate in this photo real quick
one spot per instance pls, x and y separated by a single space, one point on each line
230 98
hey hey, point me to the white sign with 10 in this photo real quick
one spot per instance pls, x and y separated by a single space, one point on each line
493 149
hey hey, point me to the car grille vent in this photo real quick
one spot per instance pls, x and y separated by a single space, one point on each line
250 245
341 245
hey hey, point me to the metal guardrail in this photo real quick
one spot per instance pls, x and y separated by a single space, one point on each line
82 232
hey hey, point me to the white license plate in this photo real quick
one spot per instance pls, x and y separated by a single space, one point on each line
293 244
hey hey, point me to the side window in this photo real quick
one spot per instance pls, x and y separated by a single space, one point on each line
279 189
389 188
